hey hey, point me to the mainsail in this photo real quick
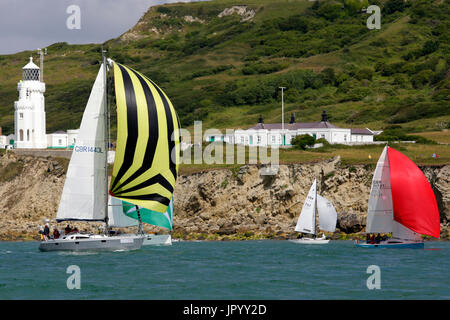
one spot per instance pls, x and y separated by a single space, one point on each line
147 152
327 214
414 203
380 213
306 223
84 194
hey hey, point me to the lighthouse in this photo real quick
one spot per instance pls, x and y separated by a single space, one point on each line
29 114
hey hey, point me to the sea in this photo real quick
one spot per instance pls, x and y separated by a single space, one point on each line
197 270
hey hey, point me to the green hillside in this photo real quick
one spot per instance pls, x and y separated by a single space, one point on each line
226 70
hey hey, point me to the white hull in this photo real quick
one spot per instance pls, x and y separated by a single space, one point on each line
322 240
83 242
157 240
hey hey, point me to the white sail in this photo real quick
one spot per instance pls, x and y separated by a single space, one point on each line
84 194
116 217
306 223
327 214
399 231
380 213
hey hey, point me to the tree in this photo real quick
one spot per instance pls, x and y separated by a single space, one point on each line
302 141
394 5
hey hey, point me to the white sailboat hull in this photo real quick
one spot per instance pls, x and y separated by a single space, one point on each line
310 241
322 240
157 240
93 243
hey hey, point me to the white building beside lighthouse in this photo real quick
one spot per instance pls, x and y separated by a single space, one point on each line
29 114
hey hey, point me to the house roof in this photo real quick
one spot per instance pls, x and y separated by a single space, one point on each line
294 126
361 131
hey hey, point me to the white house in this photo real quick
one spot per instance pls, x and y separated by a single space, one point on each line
57 140
72 137
29 110
3 142
274 135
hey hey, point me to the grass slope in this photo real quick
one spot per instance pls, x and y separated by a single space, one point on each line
226 71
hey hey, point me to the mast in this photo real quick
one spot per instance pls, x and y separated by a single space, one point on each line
105 105
315 213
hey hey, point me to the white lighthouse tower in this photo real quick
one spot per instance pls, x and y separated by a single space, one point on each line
29 115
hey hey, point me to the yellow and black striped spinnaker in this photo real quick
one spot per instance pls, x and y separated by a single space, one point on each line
148 134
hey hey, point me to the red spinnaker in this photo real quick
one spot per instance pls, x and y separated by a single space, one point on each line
414 202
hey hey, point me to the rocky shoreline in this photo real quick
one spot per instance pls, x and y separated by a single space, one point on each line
217 204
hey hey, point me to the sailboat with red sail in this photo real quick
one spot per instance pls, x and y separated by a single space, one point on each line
401 202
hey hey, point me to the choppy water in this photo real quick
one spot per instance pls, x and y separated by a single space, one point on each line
227 270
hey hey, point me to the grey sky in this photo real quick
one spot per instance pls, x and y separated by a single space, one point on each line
32 24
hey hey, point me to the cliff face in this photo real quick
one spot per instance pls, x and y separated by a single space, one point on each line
224 202
221 201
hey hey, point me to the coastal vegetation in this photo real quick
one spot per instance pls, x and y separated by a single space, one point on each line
225 67
420 153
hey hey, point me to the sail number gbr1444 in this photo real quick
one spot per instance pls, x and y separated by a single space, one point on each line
88 149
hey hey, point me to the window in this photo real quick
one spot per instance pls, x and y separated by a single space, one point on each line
273 139
345 137
258 139
28 134
20 135
322 135
60 141
21 115
242 139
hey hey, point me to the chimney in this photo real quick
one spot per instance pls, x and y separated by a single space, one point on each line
292 118
260 120
324 116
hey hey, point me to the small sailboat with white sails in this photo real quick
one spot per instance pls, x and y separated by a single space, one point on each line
401 202
315 205
145 163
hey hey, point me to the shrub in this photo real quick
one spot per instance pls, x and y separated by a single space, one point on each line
11 171
392 6
302 141
364 73
422 78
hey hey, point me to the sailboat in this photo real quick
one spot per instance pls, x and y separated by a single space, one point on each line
315 205
145 163
401 202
